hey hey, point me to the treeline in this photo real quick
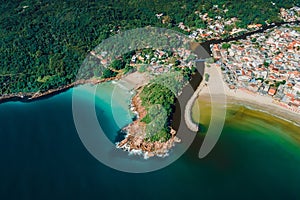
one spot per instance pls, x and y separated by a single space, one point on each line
43 43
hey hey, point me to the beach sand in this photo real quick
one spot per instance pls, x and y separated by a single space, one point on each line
136 79
243 97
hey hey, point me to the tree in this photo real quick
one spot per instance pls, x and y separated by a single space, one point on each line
266 64
206 77
118 64
226 46
177 62
253 40
108 73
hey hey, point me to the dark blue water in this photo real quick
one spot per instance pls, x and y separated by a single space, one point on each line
42 157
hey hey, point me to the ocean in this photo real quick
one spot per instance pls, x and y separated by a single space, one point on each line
42 156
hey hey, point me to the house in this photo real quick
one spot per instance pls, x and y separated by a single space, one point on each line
297 87
272 91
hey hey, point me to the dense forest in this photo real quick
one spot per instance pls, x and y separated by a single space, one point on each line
43 43
159 97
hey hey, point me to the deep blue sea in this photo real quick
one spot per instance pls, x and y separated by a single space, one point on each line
42 157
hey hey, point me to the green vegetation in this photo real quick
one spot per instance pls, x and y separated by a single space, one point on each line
260 79
52 38
156 94
108 73
206 77
278 83
210 60
226 46
118 64
266 64
249 12
142 68
253 40
128 69
296 29
159 98
43 43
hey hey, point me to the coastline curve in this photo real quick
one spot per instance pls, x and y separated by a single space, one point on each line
84 115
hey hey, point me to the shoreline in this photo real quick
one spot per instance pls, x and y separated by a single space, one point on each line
280 114
246 98
233 101
188 118
32 96
134 141
131 78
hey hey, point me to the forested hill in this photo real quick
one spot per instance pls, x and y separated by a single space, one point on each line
44 42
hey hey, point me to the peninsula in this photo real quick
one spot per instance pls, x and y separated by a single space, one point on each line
263 64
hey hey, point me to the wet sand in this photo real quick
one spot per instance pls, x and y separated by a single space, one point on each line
242 97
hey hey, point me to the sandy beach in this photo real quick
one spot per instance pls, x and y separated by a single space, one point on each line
245 97
136 79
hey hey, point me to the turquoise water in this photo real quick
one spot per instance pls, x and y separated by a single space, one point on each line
42 157
112 102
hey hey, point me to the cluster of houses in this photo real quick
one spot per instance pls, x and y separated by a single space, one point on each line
156 61
219 27
290 15
264 63
216 27
160 61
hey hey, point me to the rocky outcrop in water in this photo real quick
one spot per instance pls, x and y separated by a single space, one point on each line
136 141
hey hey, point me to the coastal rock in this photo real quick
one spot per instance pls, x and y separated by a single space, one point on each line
172 132
136 134
123 142
177 140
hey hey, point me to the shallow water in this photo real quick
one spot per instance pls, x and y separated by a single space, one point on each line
42 156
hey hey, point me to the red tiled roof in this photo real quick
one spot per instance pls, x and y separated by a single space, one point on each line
272 91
